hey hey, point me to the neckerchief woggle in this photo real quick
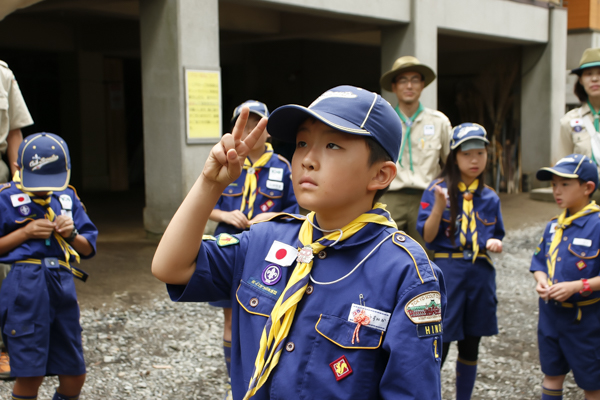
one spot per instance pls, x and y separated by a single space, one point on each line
280 321
468 221
409 123
563 223
51 216
251 183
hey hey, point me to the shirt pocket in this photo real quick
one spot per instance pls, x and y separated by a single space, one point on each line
233 191
486 225
583 252
254 301
270 193
18 329
335 358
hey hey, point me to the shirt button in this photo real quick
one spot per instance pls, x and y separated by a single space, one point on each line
401 238
565 239
271 193
253 302
322 254
558 259
230 191
583 254
290 346
13 332
309 289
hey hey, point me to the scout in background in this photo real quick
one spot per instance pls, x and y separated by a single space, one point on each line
566 268
44 230
460 219
263 189
335 305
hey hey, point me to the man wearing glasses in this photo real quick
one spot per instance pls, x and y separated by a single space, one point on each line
425 142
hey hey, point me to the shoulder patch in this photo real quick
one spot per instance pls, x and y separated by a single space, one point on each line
285 160
425 308
417 253
208 237
225 239
435 183
4 186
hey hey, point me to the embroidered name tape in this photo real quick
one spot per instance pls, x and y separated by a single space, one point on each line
19 199
379 319
276 174
281 254
582 242
274 185
428 130
425 308
429 330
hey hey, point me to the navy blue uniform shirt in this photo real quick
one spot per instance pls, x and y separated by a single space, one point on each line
398 360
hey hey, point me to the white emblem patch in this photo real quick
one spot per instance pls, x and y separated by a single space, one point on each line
19 199
66 201
378 319
276 174
582 242
425 308
38 162
274 185
428 130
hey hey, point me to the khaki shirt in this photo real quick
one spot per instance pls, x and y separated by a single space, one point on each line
13 112
430 138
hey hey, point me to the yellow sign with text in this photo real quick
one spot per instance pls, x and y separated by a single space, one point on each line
203 104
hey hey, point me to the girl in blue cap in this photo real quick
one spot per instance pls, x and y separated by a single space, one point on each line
460 219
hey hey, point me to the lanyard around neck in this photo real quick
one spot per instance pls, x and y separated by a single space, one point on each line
409 123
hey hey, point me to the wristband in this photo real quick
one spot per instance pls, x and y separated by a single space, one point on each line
586 290
71 237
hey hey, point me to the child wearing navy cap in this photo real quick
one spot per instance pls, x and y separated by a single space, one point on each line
566 268
460 219
263 189
335 305
44 230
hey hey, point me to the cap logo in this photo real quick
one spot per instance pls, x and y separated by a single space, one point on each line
38 162
331 93
564 160
466 130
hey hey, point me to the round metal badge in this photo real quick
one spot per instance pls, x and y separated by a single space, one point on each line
24 210
271 274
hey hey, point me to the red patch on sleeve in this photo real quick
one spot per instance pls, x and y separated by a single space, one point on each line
424 205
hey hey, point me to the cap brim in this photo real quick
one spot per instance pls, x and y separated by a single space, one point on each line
584 66
37 183
388 77
284 122
467 139
233 119
545 174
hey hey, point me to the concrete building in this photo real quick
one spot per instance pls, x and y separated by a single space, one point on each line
110 76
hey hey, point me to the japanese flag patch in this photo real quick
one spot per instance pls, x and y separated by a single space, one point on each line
225 239
281 254
19 199
425 308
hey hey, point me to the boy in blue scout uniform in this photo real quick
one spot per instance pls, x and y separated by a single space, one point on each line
461 221
335 305
566 268
263 189
44 230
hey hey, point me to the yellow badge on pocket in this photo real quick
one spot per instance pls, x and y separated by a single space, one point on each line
225 239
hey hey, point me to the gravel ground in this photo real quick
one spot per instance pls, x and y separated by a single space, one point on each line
162 350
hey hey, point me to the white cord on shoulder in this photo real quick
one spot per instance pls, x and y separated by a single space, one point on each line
327 230
357 265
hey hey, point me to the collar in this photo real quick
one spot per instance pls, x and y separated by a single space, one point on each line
581 221
585 109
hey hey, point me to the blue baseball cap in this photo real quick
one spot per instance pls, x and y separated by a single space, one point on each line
255 107
574 166
469 136
348 109
45 163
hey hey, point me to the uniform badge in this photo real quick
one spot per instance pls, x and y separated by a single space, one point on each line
24 210
377 319
581 264
577 128
275 174
429 330
66 202
267 205
305 255
341 368
424 205
208 237
19 199
274 185
281 254
425 308
225 239
271 274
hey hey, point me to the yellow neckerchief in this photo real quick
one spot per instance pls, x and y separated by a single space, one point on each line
51 216
251 182
563 223
468 221
280 321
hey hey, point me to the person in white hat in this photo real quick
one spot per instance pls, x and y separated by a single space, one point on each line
426 137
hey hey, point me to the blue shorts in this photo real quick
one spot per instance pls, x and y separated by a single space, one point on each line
39 317
566 345
472 302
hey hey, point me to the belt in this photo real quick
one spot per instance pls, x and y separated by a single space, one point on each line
577 305
465 255
51 263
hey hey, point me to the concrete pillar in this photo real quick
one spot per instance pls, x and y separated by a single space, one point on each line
543 101
419 39
175 34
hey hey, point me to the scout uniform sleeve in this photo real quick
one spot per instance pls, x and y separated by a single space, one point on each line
218 266
427 202
415 347
82 221
18 113
499 227
538 261
290 204
565 141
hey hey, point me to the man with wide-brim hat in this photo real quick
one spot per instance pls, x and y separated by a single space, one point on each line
425 145
580 127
